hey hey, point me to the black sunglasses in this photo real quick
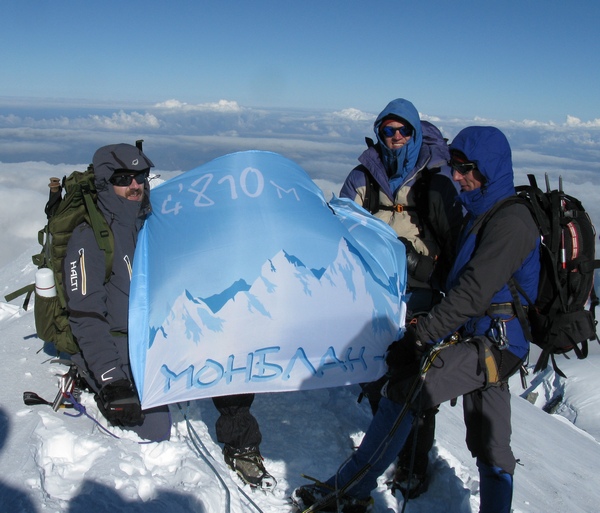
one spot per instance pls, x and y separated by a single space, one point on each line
124 180
389 131
463 168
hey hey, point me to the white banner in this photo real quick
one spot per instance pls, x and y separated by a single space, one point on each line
247 280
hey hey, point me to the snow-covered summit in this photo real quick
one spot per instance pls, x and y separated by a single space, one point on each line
52 462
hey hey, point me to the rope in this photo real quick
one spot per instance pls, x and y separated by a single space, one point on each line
413 393
202 450
199 446
80 408
413 453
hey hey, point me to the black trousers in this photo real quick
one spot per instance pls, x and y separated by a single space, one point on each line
236 426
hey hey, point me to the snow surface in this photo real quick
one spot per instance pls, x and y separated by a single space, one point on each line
51 462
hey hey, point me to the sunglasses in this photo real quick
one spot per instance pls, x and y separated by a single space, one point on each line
463 168
124 180
389 131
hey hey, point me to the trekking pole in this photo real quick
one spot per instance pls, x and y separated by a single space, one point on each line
54 196
33 399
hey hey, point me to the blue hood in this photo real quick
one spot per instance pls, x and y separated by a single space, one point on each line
489 149
398 163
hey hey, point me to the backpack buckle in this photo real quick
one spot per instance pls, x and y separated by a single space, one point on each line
397 208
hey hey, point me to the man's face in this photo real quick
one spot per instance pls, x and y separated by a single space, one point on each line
391 134
466 173
469 182
129 185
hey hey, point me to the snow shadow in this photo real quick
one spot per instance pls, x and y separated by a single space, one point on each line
102 499
17 499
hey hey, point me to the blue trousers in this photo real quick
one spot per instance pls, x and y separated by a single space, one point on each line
379 448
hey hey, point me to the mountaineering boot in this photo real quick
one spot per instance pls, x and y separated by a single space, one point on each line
495 489
120 404
409 484
248 464
304 497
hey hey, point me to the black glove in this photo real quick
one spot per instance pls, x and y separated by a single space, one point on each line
120 404
418 266
406 350
404 363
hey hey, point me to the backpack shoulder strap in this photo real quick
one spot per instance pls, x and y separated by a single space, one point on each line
371 199
513 285
422 188
482 220
102 232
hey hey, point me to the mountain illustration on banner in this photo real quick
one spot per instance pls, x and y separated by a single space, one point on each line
246 280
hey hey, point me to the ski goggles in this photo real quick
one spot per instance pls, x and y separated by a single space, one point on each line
124 179
462 168
389 131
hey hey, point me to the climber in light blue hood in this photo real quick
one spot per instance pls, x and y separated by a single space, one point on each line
403 178
399 163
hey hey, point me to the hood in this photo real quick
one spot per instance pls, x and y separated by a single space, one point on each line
106 161
489 149
435 145
398 163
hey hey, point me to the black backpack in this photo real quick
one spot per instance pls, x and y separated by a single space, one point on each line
562 319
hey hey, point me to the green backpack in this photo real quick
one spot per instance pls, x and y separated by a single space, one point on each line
64 214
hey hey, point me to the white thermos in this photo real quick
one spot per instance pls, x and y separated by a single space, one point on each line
44 283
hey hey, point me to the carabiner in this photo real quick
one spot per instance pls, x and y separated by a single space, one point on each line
498 333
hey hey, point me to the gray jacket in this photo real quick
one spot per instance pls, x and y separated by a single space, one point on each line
98 310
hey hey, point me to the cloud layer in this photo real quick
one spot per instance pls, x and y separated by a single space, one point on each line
38 141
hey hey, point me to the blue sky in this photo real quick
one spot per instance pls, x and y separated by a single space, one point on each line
515 59
200 79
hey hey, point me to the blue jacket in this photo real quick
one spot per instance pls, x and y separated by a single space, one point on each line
506 246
